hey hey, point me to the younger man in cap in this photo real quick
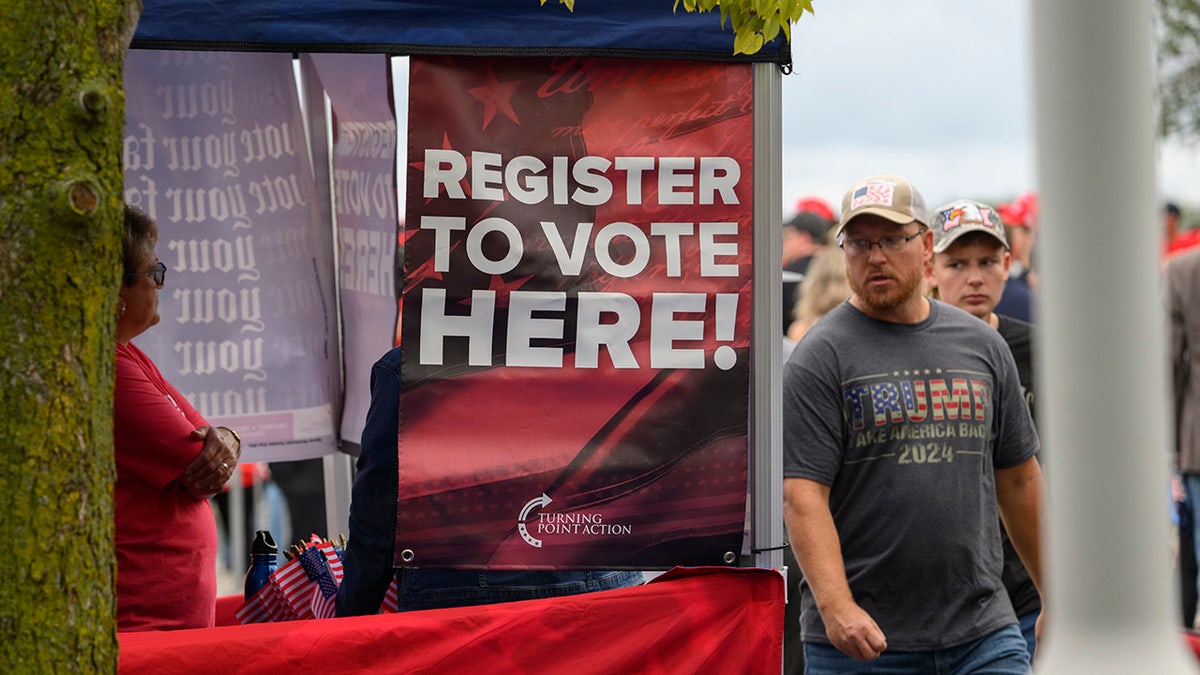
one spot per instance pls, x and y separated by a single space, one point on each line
970 266
904 428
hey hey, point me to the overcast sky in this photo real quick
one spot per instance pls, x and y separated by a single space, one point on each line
936 90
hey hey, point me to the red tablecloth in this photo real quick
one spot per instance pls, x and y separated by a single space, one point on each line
686 621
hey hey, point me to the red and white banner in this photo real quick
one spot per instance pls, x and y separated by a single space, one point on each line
576 315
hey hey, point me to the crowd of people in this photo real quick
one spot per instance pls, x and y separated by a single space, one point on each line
872 599
908 427
896 403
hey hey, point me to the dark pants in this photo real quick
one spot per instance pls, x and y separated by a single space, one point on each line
303 485
1003 652
1187 563
793 647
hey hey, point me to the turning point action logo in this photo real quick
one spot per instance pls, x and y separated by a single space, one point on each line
550 524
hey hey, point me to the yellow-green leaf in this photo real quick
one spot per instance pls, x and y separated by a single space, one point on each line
770 27
747 43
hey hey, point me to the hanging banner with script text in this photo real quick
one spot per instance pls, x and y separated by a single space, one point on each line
364 198
576 315
215 153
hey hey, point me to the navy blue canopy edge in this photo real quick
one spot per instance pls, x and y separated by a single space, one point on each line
618 28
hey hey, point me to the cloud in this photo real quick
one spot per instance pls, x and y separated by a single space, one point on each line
937 90
1179 166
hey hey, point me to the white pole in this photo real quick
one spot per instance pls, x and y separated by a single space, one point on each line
1101 368
767 433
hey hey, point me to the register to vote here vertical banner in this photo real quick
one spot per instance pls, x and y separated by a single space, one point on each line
576 315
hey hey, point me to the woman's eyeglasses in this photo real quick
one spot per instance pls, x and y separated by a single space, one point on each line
159 273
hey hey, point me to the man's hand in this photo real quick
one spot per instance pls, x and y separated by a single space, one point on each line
853 631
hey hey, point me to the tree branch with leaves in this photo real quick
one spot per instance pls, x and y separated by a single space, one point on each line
1179 68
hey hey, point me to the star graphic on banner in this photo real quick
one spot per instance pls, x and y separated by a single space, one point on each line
466 184
425 271
406 234
503 288
496 97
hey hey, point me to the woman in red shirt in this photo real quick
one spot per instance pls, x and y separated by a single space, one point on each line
169 462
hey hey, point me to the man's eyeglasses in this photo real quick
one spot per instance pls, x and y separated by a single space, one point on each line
159 273
862 247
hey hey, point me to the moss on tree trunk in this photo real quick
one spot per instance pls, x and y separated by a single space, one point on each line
61 129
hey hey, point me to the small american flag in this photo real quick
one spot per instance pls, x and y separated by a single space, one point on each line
266 605
325 563
391 601
953 218
277 609
295 588
333 560
255 609
303 588
324 606
872 193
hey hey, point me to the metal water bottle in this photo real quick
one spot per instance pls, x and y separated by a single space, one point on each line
262 562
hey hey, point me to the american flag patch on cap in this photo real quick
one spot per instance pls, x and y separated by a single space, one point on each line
872 193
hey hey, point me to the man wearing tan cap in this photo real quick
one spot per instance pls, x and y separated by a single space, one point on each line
903 429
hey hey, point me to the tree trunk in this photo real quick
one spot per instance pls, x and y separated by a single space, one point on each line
61 129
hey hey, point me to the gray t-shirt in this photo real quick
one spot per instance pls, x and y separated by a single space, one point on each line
907 424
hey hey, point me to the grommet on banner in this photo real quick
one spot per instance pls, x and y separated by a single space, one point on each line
730 557
407 555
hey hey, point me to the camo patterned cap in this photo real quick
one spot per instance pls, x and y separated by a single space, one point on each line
957 218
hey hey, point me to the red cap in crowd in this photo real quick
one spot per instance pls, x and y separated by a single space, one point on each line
1022 212
815 205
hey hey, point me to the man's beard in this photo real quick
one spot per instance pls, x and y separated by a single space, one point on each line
886 299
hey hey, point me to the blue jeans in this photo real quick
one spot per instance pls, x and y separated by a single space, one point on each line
1029 630
1191 490
1002 652
433 589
